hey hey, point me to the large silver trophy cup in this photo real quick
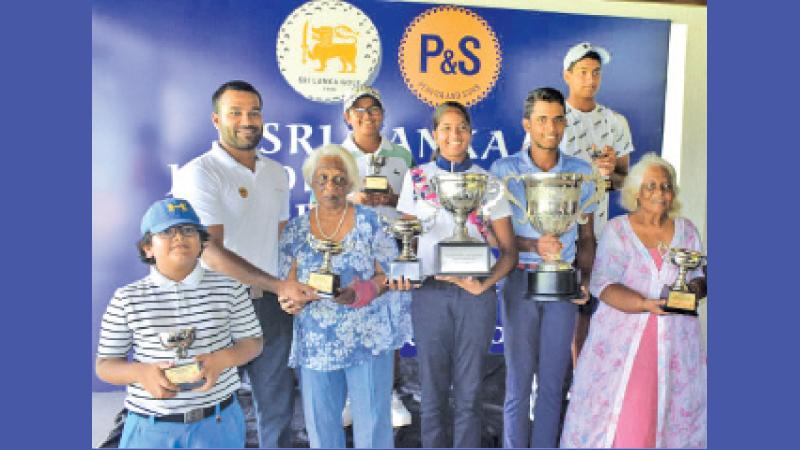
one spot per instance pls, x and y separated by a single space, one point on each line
460 194
184 374
553 206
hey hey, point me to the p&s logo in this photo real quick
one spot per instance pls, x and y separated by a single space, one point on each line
326 47
449 53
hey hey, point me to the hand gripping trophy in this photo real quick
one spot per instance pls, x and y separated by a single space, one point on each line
553 206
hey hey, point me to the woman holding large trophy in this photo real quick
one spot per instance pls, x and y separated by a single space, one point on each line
454 310
343 343
640 380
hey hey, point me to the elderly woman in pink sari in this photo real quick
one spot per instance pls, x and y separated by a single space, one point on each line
640 380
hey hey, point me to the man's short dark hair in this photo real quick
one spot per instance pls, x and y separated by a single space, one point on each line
591 55
147 239
235 85
544 94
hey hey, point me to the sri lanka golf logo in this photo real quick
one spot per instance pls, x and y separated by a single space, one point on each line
325 47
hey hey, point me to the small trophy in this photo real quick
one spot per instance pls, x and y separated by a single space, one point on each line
375 182
553 206
185 376
406 265
324 280
679 299
596 153
460 193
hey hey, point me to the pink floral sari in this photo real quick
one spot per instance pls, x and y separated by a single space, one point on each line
605 367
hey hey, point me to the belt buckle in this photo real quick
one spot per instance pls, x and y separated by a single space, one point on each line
193 415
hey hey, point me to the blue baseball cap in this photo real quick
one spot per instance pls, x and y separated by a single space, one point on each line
167 213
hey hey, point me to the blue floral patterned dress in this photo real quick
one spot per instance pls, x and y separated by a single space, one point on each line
329 336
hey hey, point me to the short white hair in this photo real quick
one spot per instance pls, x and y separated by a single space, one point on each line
628 198
350 167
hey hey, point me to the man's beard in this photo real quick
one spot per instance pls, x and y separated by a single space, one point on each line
243 144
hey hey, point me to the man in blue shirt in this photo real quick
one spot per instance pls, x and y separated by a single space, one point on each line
538 331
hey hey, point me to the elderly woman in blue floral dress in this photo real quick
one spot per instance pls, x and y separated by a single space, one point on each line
344 344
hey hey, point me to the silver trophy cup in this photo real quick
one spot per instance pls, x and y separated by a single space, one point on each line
460 194
183 374
595 154
324 280
678 296
553 206
406 265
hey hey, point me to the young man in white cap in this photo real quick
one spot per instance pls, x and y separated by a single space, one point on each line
596 134
364 115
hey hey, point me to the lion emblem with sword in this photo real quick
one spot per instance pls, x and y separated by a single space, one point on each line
325 47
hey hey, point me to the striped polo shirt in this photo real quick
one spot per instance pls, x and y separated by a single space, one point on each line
219 309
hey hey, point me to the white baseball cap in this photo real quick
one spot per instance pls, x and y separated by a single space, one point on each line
578 51
358 92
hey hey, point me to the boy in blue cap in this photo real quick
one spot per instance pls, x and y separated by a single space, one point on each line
179 302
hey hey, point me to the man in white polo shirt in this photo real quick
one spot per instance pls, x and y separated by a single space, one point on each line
242 198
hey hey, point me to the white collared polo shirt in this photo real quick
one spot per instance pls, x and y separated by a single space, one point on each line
249 204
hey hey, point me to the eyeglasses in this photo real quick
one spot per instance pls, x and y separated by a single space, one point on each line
338 180
184 230
652 186
373 110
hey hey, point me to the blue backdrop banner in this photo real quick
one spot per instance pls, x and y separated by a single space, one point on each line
155 65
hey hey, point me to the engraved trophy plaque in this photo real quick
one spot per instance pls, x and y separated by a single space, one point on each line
460 194
185 375
553 206
375 182
406 265
324 280
679 298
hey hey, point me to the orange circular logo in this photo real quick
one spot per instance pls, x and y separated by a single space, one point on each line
449 53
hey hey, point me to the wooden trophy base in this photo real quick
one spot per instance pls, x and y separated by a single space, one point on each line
376 184
326 284
554 285
185 376
679 302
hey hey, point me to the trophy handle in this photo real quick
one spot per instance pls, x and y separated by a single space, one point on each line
513 200
495 190
599 191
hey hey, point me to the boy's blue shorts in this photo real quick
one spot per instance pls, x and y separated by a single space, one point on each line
148 432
